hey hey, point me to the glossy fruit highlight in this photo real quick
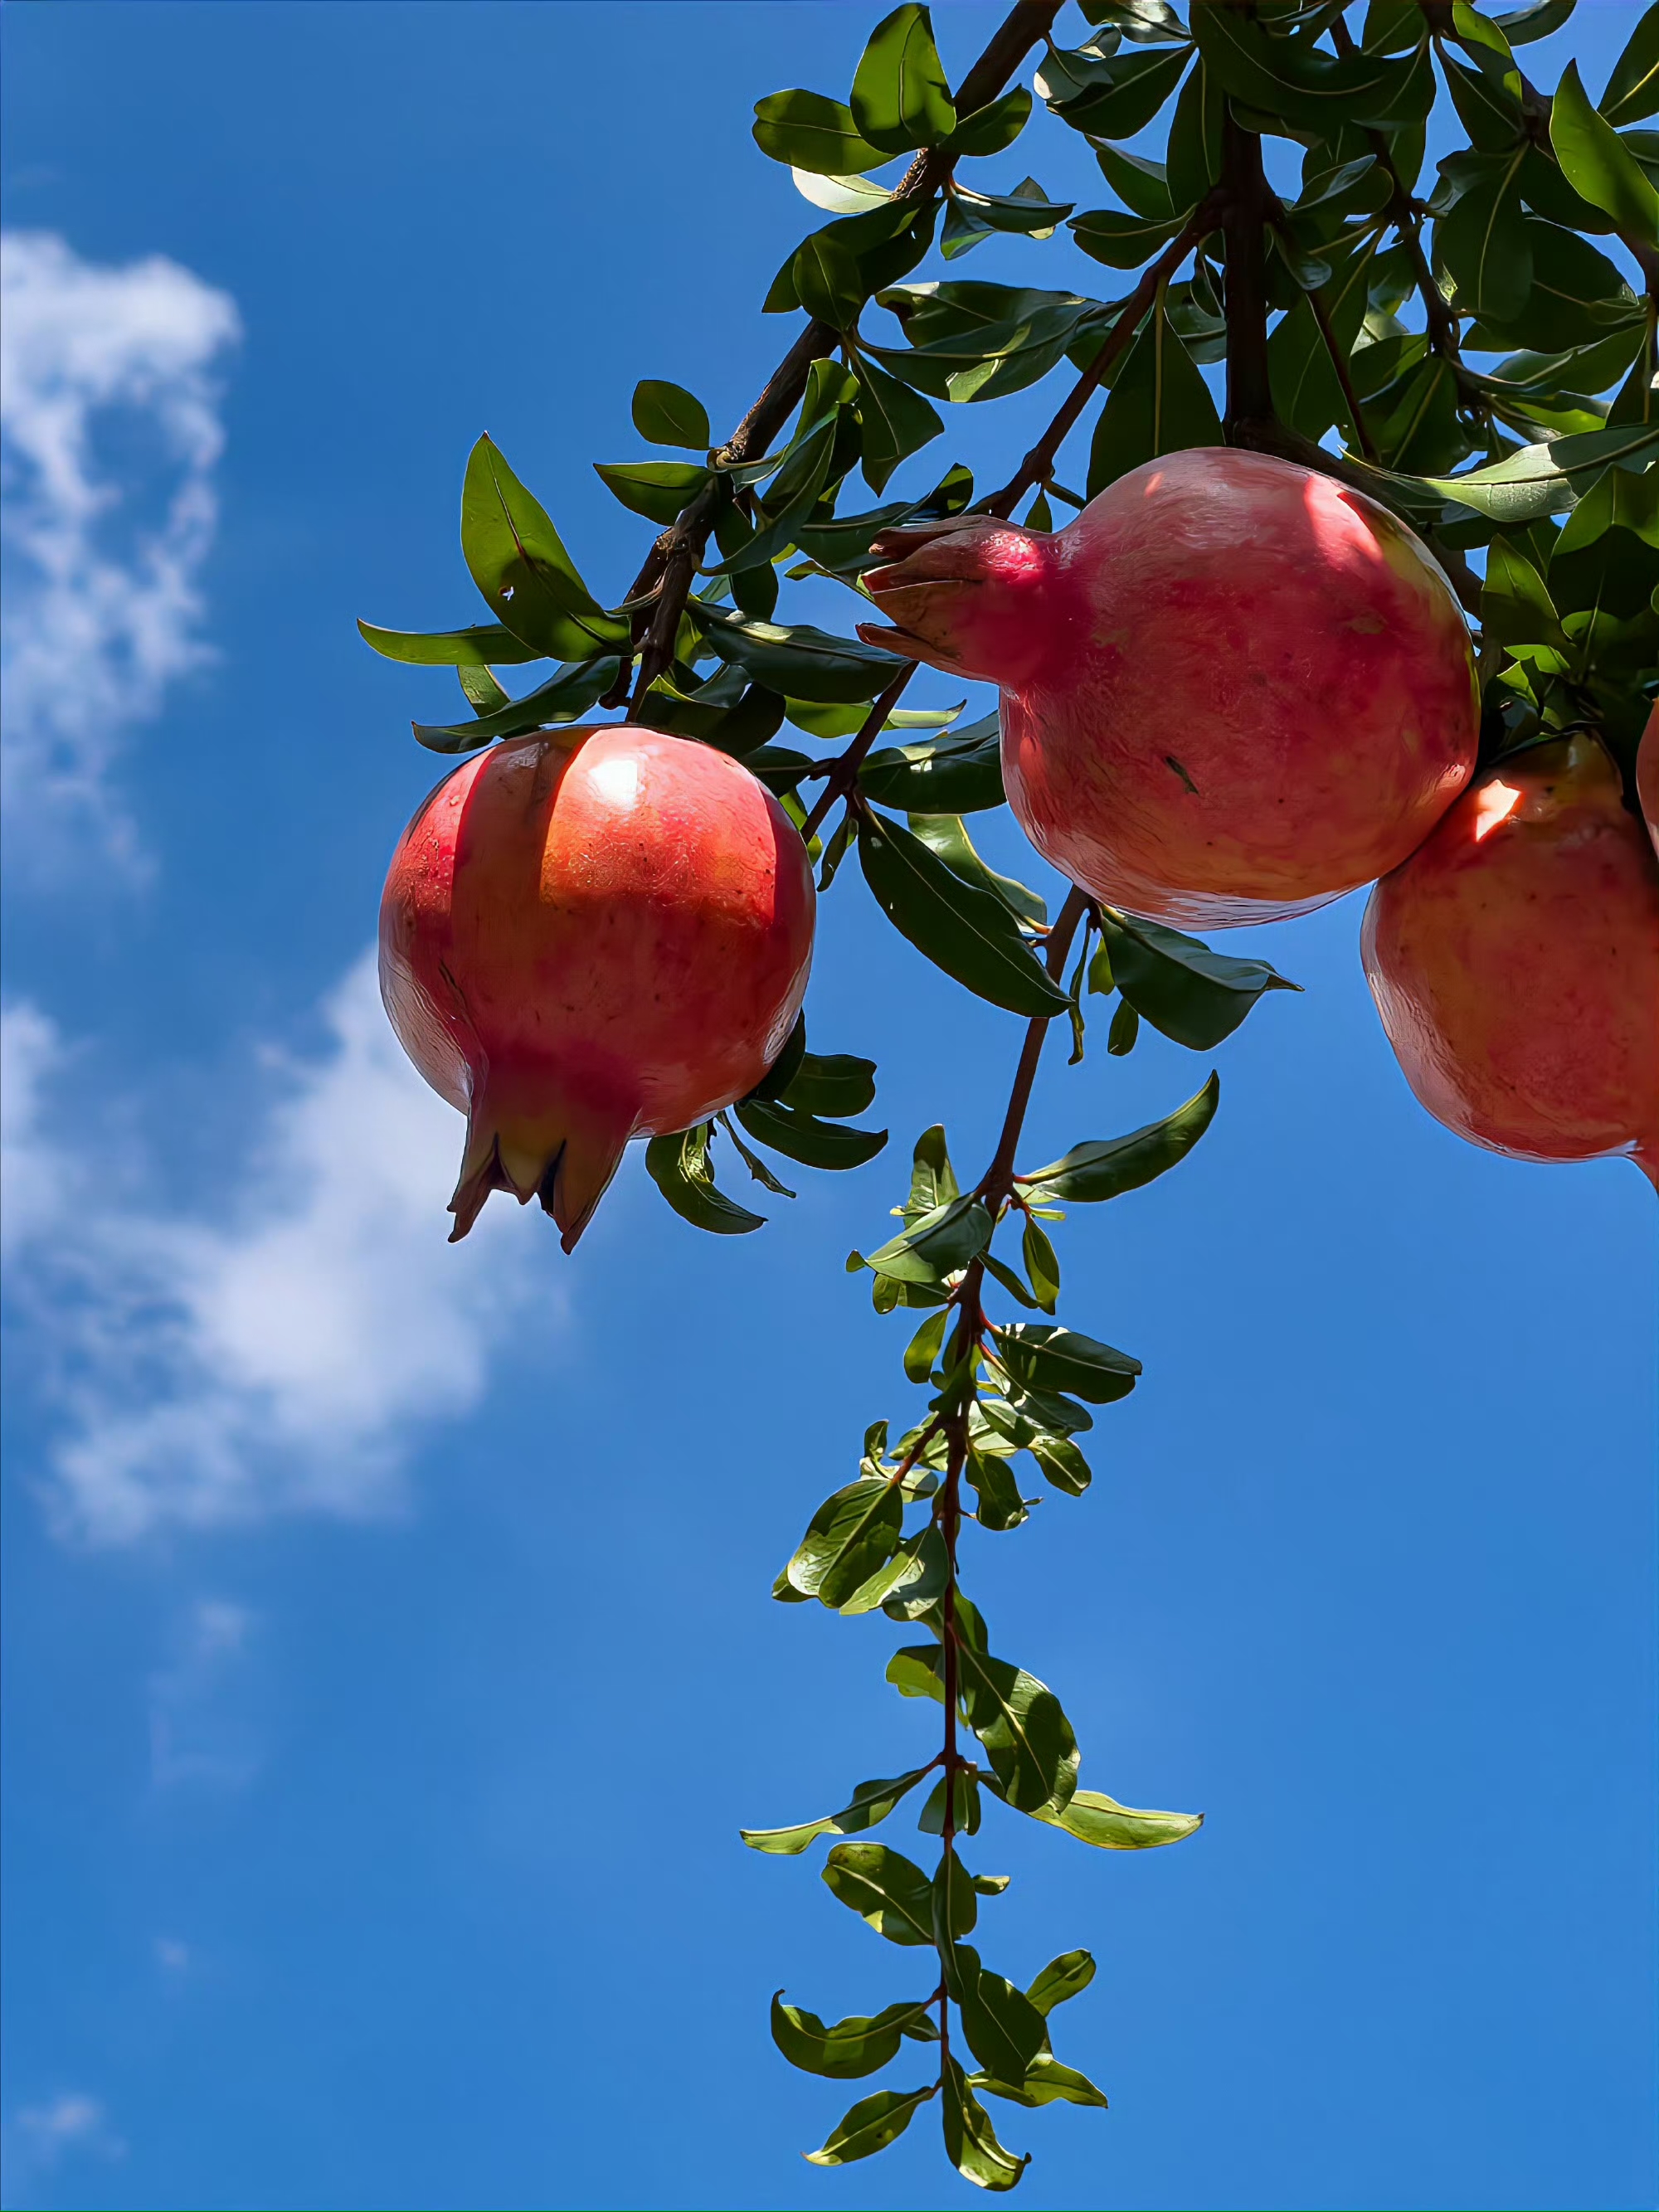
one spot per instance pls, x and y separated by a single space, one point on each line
1514 963
588 937
1232 688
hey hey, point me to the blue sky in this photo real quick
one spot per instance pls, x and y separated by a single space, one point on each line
389 1663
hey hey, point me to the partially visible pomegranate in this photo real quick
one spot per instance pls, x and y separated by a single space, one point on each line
586 938
1232 688
1515 961
1647 776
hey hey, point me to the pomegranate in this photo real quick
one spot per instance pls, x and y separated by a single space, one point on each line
1515 961
590 937
1647 776
1232 688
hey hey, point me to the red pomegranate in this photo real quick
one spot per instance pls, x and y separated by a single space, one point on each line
590 937
1647 776
1515 961
1232 688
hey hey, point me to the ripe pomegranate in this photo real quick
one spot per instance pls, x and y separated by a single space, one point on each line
1232 688
1515 961
590 937
1647 776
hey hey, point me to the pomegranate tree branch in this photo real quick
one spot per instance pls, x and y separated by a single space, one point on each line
1249 391
1039 463
677 555
844 768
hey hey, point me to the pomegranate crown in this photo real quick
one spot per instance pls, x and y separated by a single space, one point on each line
973 596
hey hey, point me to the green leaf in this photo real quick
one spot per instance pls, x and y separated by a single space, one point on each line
1606 560
900 96
518 561
991 129
1061 1462
925 1346
1023 1727
1122 241
1041 1262
852 1534
870 1801
888 1891
801 1136
1143 185
1578 295
1192 995
1486 242
1149 22
1633 88
961 773
1095 1819
965 1814
810 132
1005 2029
797 661
1025 211
955 1905
1061 1979
1548 478
897 422
1293 78
1092 1172
1050 1358
488 646
669 415
566 695
827 279
849 2049
1535 21
484 693
872 2124
1516 607
1194 148
933 1178
916 1575
1000 1505
1306 392
1598 163
656 490
836 1084
1124 1030
970 2141
935 1246
944 834
1124 96
680 1167
1046 2082
965 930
1158 404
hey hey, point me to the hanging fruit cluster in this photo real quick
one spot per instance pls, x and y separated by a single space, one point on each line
1240 683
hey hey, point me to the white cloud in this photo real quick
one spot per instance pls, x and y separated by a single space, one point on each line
38 2137
100 601
274 1353
199 1731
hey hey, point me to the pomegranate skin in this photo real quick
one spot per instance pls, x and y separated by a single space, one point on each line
1647 776
1514 963
1232 688
589 937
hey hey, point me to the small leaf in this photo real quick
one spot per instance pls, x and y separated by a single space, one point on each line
801 1136
1516 607
1000 1505
870 1801
901 98
836 1084
849 2049
566 695
488 645
852 1534
669 415
1101 1820
1050 1358
897 422
807 131
1633 87
1040 1261
1046 2082
656 490
1062 1979
933 1178
1124 1030
1192 995
1598 163
1122 241
888 1891
1093 1172
970 2141
1123 95
797 661
1158 404
1023 1727
991 129
518 561
1547 478
1005 2029
968 932
872 2124
680 1166
944 834
925 1346
961 773
827 281
1062 1463
484 693
934 1246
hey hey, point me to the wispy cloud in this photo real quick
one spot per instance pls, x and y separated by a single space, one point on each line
101 605
277 1349
39 2138
199 1731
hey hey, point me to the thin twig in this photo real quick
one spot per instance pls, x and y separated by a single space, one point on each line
843 772
1315 298
1249 389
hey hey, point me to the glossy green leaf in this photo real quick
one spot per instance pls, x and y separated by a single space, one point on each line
888 1891
801 1136
1095 1819
482 692
872 2124
967 931
669 415
797 661
1124 96
1548 478
970 2141
933 1178
870 1801
518 561
1158 404
1293 77
1516 607
944 835
915 1576
1598 163
897 422
826 279
1194 147
1050 1358
488 646
1149 22
836 1084
1023 1727
992 129
1061 1979
1192 995
656 490
566 695
1046 2082
1306 390
1001 1506
966 1812
810 132
958 774
1103 1169
1535 21
925 1346
1025 211
1062 1464
1486 242
1041 1262
851 1536
1005 2030
940 1242
900 96
851 2048
1124 1028
1122 241
1633 87
1141 184
680 1167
